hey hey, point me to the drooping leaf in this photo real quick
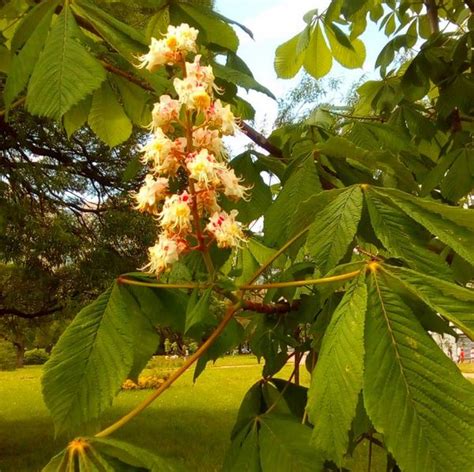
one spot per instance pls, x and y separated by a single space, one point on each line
334 228
303 183
89 363
318 57
287 61
125 39
215 30
453 226
76 116
454 302
284 445
350 54
338 377
197 313
413 393
107 117
65 72
24 61
244 452
240 79
134 100
403 237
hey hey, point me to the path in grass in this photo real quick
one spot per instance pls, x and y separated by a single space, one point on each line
190 423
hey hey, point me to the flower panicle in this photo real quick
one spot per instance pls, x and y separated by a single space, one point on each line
188 171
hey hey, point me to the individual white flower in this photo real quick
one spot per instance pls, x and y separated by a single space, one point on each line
232 185
164 253
176 214
202 168
191 94
225 229
164 112
209 139
184 35
222 118
157 55
202 75
162 153
151 193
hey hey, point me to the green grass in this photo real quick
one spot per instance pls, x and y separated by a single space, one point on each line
190 423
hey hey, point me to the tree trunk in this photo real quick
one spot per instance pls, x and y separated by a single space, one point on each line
20 355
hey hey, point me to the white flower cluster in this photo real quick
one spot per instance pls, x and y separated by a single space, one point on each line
186 154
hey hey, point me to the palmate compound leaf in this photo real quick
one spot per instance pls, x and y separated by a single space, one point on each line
317 56
106 455
338 377
273 441
65 72
454 302
89 363
454 226
414 395
402 237
334 229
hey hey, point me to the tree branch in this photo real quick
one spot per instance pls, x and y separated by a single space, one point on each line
29 316
432 13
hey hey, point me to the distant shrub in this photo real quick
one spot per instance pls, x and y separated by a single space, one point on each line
36 357
144 382
7 356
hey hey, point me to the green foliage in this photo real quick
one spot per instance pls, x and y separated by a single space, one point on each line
338 377
436 401
65 72
7 356
36 356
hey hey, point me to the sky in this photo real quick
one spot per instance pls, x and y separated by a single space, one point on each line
272 23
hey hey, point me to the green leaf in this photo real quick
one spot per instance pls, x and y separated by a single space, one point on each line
123 38
231 337
260 193
239 78
216 31
459 181
89 363
146 337
394 229
318 57
337 379
77 116
158 24
197 313
164 307
334 228
454 226
284 445
23 63
350 54
244 454
107 118
303 183
132 455
65 73
250 408
30 22
414 395
287 62
134 100
454 302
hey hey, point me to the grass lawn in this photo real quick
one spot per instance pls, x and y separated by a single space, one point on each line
189 423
